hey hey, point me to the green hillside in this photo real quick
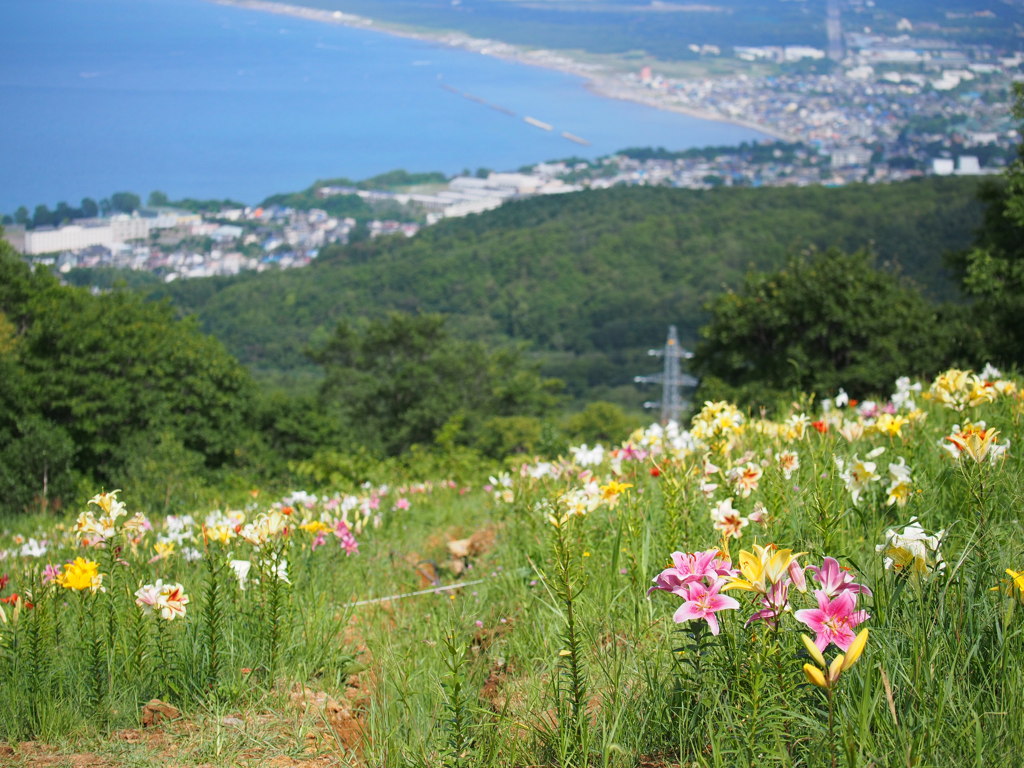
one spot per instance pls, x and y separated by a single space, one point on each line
590 280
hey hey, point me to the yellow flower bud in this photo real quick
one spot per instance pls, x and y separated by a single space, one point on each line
856 649
835 668
813 650
814 676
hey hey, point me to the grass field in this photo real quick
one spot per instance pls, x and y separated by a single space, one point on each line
509 623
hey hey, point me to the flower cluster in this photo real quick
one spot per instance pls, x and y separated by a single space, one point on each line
267 526
976 442
834 619
166 600
769 573
860 474
583 499
717 422
96 530
958 389
698 578
912 550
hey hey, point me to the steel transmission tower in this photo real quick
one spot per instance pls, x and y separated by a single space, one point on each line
672 378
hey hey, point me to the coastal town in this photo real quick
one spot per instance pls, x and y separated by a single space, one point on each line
871 108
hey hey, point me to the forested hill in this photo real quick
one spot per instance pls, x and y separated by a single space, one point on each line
591 280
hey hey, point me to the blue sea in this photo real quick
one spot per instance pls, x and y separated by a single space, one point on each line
201 100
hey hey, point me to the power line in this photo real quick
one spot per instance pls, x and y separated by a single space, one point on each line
672 378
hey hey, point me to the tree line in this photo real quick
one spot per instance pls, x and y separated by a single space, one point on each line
111 390
119 202
590 281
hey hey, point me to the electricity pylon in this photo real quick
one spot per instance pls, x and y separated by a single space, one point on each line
672 378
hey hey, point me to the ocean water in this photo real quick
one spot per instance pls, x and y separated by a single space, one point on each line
201 100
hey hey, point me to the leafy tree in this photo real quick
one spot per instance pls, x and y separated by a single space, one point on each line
205 206
63 213
157 198
86 381
163 475
21 216
125 202
89 208
599 422
36 459
825 321
400 380
401 178
992 272
42 217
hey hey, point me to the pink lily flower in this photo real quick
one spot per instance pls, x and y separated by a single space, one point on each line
703 603
688 567
834 579
346 539
833 620
796 575
50 573
775 602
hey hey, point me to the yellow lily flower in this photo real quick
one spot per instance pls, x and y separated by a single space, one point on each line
762 567
1014 587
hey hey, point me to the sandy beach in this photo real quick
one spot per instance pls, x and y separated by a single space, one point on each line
598 81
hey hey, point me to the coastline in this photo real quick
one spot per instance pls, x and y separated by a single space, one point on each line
596 81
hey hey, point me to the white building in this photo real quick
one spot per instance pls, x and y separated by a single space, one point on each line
85 233
73 237
124 227
846 157
797 52
968 165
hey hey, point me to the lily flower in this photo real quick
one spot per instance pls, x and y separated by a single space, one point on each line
833 620
1014 587
978 443
834 579
703 603
728 520
912 550
900 486
80 575
858 476
745 479
765 566
775 602
690 567
789 462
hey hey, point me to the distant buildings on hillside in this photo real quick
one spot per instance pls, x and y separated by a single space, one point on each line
177 244
86 233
